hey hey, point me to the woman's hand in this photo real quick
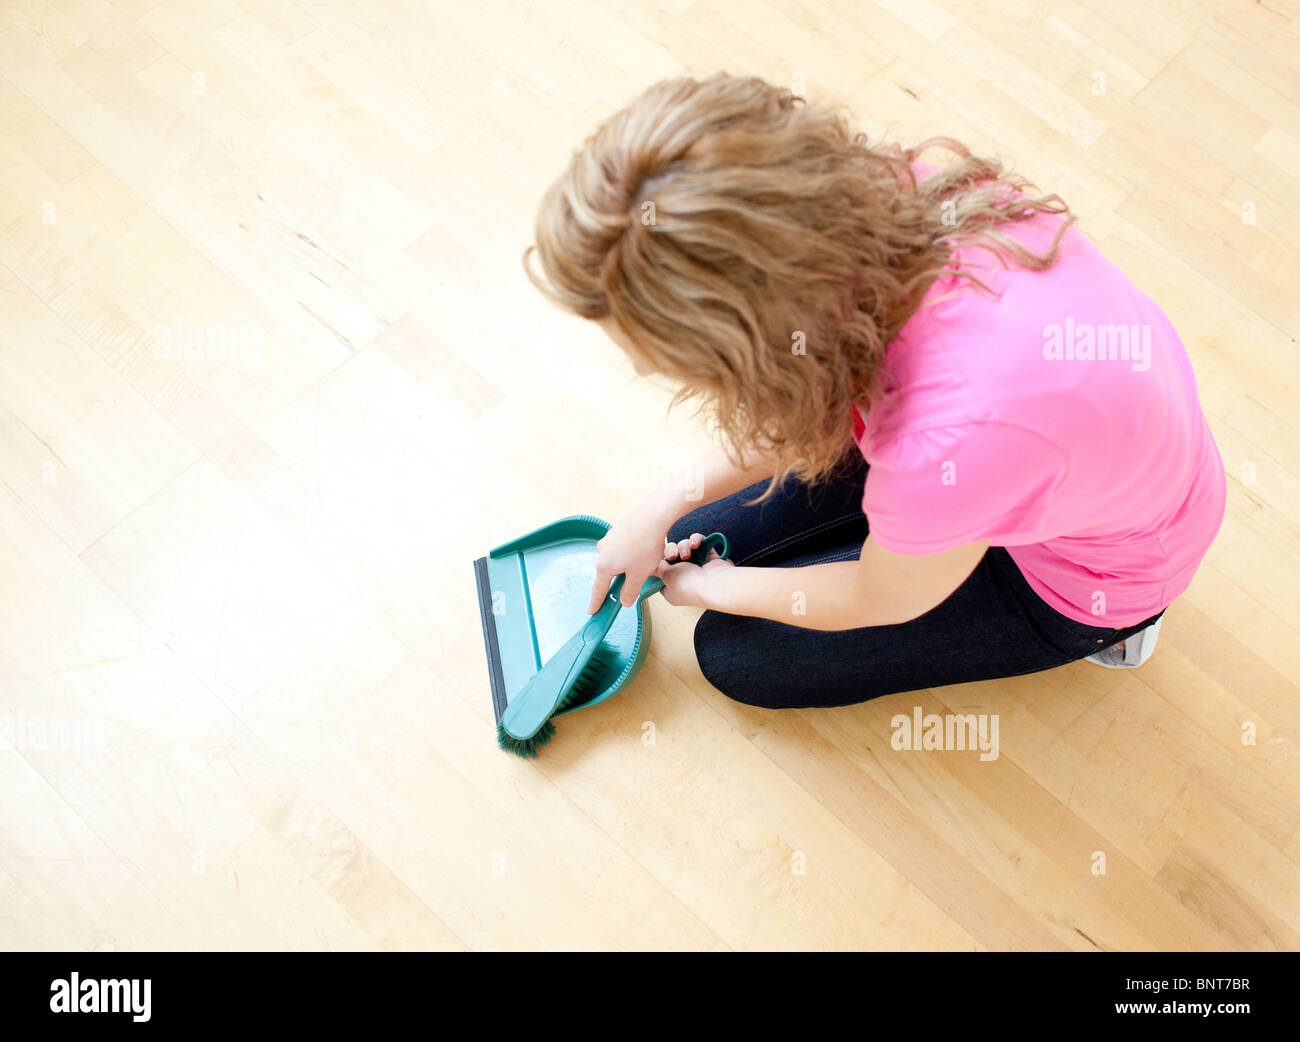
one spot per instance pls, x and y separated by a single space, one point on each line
636 546
686 584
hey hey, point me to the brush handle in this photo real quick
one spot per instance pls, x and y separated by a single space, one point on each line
538 699
603 617
712 541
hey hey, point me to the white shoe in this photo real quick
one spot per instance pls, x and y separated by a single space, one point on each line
1132 651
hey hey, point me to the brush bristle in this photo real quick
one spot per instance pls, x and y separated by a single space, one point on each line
587 685
525 746
591 681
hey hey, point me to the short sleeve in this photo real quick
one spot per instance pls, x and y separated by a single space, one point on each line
943 487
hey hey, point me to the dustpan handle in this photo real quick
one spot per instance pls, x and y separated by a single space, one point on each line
712 541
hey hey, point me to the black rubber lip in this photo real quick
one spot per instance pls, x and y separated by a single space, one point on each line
490 640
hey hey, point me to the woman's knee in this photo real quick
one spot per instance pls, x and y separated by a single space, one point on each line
773 666
726 659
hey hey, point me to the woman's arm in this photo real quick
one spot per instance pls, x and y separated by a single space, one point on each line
707 480
881 588
635 546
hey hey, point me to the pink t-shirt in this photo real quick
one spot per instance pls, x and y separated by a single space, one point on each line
1060 421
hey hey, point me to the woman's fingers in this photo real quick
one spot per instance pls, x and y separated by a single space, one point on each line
681 550
673 553
631 589
598 589
685 546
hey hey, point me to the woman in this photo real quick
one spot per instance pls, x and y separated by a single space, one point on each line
959 444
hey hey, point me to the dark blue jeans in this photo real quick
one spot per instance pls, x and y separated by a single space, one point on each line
993 625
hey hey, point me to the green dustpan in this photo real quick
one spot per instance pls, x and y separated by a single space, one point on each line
533 594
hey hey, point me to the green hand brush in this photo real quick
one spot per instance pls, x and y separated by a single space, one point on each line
570 676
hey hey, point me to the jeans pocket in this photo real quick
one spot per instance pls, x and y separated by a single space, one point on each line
1091 638
1067 635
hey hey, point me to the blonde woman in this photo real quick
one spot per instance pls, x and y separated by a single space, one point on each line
958 443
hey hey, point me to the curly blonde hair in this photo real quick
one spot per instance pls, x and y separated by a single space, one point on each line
725 223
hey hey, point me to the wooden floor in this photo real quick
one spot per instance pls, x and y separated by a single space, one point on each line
271 377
